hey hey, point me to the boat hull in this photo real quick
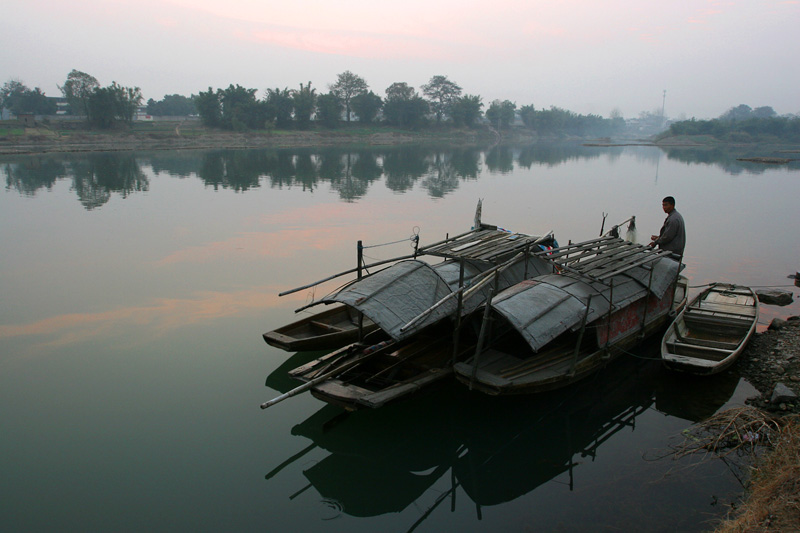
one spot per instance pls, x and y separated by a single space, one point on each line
327 330
502 373
710 334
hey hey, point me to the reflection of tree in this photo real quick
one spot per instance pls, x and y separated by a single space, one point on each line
180 163
500 159
723 157
306 170
366 167
234 169
403 165
98 175
32 174
442 178
280 168
466 162
552 154
342 178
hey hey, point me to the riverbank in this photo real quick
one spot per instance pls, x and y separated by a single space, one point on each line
193 136
773 500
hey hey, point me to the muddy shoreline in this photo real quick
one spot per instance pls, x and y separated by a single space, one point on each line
41 141
770 358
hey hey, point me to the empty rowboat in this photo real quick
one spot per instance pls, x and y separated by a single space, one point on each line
712 331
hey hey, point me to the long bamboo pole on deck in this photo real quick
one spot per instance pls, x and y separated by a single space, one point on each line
417 252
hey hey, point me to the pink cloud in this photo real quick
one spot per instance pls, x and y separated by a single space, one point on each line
161 317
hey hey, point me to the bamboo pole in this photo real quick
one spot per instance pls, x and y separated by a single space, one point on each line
311 383
419 251
479 347
580 336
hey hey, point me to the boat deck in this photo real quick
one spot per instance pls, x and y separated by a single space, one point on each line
604 257
488 243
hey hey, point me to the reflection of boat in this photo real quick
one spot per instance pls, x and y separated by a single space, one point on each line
326 330
390 298
519 444
693 398
379 461
498 449
712 331
555 329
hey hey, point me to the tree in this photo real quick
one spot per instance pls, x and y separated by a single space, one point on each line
101 107
501 114
528 115
346 87
466 110
279 107
77 89
18 98
764 112
366 106
209 108
126 101
304 101
240 109
441 93
329 109
740 112
174 105
106 105
403 106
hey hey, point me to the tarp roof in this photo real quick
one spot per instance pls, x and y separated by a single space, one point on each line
544 307
394 296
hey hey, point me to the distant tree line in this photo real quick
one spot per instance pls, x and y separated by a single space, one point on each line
742 124
440 103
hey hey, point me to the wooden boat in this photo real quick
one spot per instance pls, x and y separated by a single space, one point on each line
371 376
545 333
327 330
389 299
712 331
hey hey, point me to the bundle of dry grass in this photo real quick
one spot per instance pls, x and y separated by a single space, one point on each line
744 430
773 503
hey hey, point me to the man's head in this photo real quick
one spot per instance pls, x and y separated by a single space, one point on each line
668 204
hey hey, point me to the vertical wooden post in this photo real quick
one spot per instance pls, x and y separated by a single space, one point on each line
647 299
527 258
610 310
580 336
360 260
459 307
481 335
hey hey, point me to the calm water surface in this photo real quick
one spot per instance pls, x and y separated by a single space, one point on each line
134 289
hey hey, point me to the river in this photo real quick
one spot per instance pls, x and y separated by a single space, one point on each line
134 289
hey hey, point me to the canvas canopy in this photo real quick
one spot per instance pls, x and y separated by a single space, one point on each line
394 296
544 307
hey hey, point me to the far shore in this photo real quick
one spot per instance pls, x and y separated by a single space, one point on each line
45 140
190 136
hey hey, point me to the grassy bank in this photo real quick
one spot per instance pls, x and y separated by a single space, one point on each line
773 503
75 137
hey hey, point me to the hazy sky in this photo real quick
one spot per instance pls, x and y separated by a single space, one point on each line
585 56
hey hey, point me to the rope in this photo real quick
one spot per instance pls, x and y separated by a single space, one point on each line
414 236
389 243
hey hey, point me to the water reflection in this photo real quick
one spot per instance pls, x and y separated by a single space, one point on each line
94 176
495 449
350 172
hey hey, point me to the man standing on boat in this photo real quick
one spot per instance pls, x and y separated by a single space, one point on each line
672 236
